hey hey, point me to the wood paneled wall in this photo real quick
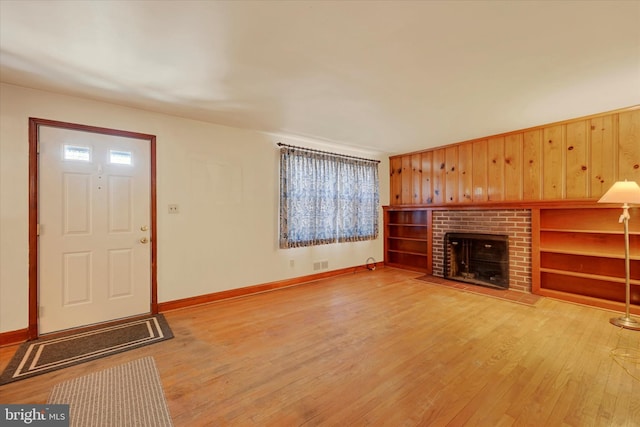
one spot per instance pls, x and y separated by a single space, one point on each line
576 159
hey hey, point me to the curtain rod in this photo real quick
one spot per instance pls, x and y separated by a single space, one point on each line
280 144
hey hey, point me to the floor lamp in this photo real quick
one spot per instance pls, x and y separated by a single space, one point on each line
624 192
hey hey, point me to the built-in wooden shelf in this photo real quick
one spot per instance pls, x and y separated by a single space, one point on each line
589 276
579 255
407 242
587 252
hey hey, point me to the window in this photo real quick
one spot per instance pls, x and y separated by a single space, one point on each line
326 198
120 157
73 152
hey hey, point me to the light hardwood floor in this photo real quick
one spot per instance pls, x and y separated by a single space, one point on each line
381 348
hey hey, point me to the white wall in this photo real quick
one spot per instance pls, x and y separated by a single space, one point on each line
224 180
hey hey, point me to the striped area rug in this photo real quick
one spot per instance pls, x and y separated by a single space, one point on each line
125 395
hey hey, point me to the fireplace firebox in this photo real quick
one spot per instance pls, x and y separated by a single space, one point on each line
480 259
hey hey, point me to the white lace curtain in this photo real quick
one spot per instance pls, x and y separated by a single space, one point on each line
326 198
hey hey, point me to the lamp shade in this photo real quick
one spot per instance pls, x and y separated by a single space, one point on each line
622 192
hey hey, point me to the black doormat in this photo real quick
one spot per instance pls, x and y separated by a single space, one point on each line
48 354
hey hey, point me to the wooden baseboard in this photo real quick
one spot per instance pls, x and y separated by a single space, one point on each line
13 337
249 290
22 335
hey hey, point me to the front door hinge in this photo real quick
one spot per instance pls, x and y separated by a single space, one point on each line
37 229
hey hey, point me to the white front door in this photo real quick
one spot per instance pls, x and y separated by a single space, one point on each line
94 228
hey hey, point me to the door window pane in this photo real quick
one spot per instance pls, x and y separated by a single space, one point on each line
120 157
74 152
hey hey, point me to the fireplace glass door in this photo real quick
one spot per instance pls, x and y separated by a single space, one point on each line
481 259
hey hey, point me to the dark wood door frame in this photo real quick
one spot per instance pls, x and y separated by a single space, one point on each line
34 126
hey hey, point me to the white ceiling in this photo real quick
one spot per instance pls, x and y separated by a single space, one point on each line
391 76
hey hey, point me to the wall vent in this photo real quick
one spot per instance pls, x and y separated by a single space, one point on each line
320 265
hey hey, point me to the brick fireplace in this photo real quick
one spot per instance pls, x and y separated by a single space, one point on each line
514 223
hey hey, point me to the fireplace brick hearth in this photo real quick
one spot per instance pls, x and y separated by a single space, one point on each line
515 223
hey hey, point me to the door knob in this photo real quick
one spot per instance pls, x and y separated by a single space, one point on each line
144 240
144 228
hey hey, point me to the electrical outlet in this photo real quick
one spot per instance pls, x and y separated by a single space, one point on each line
173 209
292 263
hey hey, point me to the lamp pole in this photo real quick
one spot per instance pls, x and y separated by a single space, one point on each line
626 321
624 192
